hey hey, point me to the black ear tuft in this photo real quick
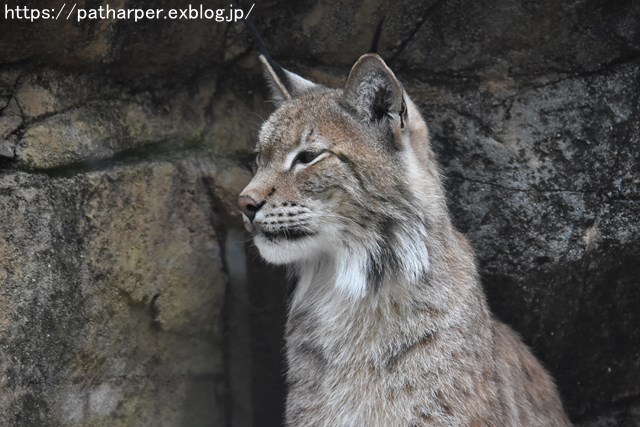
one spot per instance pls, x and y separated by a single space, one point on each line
375 43
284 84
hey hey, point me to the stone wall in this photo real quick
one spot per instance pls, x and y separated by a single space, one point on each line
126 294
113 280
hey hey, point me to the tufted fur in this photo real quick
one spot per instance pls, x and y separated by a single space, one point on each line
388 324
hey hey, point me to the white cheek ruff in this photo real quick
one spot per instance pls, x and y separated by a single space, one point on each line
353 264
352 267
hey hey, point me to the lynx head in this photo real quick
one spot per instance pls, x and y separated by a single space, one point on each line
345 180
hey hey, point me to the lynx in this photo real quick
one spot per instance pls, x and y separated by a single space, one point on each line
388 323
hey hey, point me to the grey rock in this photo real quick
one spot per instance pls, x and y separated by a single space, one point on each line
112 291
544 181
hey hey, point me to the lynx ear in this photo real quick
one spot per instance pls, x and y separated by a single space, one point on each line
284 84
375 93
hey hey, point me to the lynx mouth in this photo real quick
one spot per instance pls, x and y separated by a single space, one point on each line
287 245
288 234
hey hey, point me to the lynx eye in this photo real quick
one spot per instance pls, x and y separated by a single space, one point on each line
307 157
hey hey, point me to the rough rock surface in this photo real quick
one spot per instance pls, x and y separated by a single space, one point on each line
111 297
125 296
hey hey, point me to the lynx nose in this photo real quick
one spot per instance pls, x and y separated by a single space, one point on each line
248 206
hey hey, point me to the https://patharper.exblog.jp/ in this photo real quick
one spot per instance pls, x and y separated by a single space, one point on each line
79 14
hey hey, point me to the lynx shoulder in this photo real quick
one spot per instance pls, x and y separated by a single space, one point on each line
388 324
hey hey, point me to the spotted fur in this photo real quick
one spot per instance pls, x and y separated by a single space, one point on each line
388 324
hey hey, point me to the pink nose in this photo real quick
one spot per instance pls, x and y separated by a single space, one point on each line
248 206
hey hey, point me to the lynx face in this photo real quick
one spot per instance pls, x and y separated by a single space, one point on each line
338 183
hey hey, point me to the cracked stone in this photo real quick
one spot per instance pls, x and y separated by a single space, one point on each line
88 130
35 100
105 243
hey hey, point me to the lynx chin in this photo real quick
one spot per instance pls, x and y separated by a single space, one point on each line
388 324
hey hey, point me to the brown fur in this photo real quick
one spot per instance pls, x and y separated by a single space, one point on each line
388 325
